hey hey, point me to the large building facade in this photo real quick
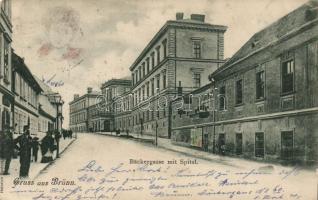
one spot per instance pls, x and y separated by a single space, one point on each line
79 112
178 59
104 116
48 110
26 90
264 99
34 104
6 94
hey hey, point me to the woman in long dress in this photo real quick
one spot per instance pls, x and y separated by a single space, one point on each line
47 147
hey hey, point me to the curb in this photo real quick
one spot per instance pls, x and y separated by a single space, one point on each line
141 140
49 164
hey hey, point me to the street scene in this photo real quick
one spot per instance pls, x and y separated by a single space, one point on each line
105 171
163 100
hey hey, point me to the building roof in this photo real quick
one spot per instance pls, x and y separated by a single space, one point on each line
122 81
19 65
273 33
46 89
91 94
181 23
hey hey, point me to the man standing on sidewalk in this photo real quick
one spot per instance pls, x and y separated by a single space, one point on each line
8 149
25 145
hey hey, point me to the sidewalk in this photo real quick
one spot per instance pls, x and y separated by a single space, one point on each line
241 163
35 167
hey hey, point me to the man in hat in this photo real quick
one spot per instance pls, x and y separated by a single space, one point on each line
7 147
25 145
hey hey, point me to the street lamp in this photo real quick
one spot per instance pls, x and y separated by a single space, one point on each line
57 100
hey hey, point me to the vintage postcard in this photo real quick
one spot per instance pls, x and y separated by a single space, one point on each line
166 100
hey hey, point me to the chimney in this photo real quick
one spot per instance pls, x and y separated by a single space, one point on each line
76 96
179 16
89 90
198 17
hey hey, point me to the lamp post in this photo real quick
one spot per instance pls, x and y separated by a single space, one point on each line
57 100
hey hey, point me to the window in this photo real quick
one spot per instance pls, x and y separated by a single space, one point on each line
133 78
222 98
158 82
158 54
143 92
143 69
136 76
140 73
164 46
197 49
260 85
164 79
152 87
6 60
152 60
147 89
288 76
17 83
259 144
197 80
239 92
148 65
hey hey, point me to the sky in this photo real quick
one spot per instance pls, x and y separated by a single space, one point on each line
75 44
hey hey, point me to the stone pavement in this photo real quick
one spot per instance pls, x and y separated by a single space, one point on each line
36 167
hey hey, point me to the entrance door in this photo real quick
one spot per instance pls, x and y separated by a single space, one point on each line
205 142
106 126
239 143
259 144
221 143
287 145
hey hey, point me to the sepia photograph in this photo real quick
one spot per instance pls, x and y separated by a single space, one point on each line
166 100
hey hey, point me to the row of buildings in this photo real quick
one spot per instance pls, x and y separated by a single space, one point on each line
24 99
259 104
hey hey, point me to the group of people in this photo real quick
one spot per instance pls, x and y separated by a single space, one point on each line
27 148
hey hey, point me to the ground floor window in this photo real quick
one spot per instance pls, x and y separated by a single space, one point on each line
259 144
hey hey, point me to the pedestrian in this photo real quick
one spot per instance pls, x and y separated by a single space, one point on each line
57 137
64 133
7 148
47 148
127 132
35 148
25 145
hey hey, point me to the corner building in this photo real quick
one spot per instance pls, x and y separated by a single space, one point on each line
178 59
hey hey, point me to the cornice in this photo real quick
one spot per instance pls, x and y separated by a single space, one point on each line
176 24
